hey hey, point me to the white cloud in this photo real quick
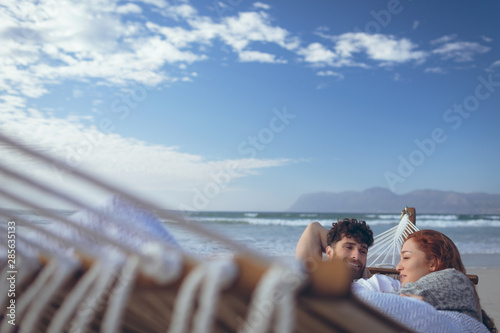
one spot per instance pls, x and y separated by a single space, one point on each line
487 39
239 32
317 53
157 3
179 37
448 47
379 47
415 24
236 31
251 56
319 30
128 8
260 5
382 48
444 39
437 70
83 43
460 51
159 170
495 64
249 27
9 105
330 73
179 12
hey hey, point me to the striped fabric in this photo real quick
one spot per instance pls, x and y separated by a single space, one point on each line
419 315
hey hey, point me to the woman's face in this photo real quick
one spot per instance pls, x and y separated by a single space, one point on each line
413 264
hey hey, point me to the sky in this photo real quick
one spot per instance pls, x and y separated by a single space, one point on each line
245 106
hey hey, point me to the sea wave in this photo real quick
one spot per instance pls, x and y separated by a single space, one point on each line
308 215
478 248
455 224
304 222
284 222
422 223
388 216
437 217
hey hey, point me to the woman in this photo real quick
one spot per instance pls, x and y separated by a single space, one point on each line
431 269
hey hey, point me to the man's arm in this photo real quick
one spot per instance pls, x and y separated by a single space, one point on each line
312 242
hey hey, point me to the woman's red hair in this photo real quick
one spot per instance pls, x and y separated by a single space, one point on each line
438 247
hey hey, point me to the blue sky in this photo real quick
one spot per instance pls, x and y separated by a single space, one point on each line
240 105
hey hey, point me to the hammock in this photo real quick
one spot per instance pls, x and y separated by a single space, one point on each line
387 246
114 268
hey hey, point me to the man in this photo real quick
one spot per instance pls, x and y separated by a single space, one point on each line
348 239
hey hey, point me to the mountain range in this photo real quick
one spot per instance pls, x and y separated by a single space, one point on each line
382 200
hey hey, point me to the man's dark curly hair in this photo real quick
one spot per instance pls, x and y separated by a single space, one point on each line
351 228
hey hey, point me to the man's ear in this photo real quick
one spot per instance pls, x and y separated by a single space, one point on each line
329 251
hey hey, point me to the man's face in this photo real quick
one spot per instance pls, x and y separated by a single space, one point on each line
352 253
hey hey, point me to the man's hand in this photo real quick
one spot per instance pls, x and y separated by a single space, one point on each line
312 243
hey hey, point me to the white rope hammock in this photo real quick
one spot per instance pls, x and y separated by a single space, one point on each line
387 246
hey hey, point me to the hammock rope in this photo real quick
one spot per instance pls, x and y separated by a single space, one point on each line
73 299
387 246
95 298
273 298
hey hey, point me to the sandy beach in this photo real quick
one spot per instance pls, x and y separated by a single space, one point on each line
489 291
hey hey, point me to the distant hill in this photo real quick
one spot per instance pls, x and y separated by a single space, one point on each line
381 200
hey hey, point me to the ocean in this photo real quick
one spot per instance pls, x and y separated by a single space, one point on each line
276 234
